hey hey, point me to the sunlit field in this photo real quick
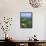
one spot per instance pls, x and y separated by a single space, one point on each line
26 20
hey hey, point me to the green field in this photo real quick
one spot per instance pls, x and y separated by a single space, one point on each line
26 22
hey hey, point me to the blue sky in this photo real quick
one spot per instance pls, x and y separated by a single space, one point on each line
26 14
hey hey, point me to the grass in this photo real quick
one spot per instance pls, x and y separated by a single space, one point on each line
26 22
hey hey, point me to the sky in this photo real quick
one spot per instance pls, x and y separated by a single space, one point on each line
26 14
